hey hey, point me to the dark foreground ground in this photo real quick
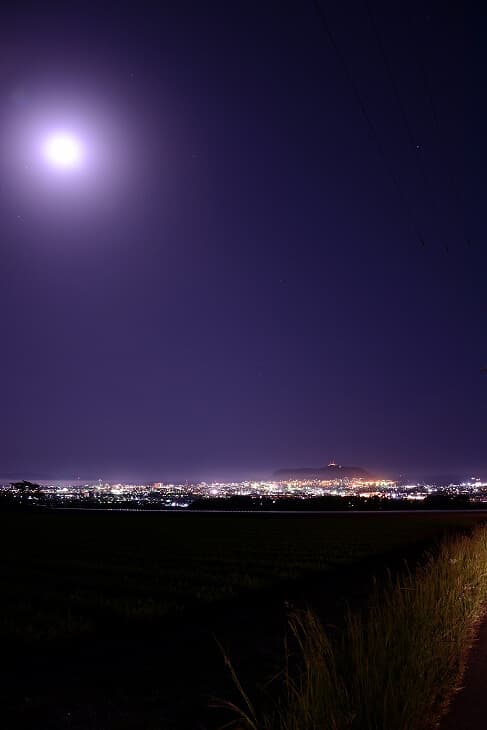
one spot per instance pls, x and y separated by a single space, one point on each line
110 620
468 708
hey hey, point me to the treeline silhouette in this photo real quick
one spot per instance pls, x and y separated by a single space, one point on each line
332 502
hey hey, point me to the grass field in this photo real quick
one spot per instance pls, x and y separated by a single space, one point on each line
393 665
67 574
108 620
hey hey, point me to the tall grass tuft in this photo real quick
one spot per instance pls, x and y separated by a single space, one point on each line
393 665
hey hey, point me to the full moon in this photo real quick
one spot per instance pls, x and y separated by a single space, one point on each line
63 150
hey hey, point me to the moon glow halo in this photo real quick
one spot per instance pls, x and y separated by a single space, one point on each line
63 151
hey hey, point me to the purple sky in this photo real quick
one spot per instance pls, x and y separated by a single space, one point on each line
238 285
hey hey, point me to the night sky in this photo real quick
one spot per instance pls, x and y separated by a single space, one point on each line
271 261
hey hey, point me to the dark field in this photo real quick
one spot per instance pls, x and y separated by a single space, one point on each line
65 574
107 618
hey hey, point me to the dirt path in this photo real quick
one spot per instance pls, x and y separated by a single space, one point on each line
468 710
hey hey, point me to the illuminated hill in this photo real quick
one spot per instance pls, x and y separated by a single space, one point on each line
330 471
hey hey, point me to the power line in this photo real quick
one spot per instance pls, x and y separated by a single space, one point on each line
410 221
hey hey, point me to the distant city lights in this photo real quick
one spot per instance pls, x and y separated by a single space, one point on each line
168 495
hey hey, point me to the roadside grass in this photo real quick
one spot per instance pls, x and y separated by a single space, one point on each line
395 663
